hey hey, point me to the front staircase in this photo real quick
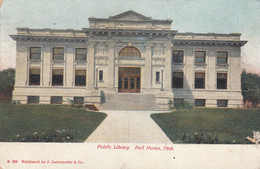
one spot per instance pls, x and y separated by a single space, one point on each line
130 101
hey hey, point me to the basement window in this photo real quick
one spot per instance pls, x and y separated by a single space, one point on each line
200 102
56 100
222 103
33 99
79 100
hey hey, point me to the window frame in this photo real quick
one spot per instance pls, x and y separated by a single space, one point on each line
217 57
173 87
182 57
30 47
136 50
226 104
57 75
52 98
204 57
195 80
75 80
79 97
157 77
204 104
226 83
29 100
101 78
78 60
53 55
38 84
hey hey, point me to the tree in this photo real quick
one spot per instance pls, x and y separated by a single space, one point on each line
250 84
7 78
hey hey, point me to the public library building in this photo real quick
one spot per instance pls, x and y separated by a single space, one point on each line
127 59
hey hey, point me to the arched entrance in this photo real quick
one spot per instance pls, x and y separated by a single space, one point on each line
129 77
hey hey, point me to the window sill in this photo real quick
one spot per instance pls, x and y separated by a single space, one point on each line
100 81
157 82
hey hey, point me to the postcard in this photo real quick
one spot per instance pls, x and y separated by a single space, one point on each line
129 84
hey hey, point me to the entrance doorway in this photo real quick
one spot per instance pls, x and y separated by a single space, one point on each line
129 80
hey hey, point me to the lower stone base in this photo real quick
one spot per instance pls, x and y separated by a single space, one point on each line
91 96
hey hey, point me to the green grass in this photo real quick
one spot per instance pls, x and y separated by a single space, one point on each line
24 120
229 125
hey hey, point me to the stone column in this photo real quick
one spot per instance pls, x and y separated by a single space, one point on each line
189 69
111 65
167 81
147 79
234 73
46 69
69 68
91 64
211 66
21 70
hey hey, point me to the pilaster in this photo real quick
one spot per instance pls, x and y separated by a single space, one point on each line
69 67
211 75
91 64
46 69
111 64
167 81
147 80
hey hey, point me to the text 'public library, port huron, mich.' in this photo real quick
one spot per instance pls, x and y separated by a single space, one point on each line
127 61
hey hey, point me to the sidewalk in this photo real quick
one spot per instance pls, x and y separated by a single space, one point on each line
128 127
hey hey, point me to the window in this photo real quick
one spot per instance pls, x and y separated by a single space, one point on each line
34 76
56 100
157 78
200 56
200 102
80 78
222 81
222 57
199 80
177 80
33 99
81 54
35 53
79 100
177 56
130 51
57 77
100 75
58 53
222 103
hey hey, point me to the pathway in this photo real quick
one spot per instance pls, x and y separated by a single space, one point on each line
128 127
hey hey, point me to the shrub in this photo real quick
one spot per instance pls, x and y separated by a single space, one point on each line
180 105
49 136
200 138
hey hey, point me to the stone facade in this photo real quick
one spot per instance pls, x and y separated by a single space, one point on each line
104 41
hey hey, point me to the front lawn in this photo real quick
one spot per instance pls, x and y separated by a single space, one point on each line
222 125
38 122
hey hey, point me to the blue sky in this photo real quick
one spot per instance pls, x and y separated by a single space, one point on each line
201 16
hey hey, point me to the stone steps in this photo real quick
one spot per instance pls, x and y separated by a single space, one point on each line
130 101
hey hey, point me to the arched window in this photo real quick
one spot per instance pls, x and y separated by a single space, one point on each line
129 51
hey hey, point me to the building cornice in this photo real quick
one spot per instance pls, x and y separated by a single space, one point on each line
179 42
48 38
110 32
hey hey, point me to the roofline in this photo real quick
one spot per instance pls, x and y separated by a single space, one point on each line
167 21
